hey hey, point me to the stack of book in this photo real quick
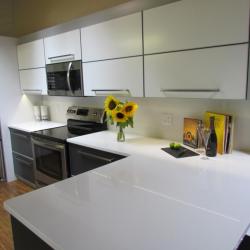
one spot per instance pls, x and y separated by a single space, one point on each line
224 131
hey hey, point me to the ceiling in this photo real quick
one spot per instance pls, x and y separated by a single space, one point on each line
22 17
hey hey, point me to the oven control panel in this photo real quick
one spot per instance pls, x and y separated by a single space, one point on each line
86 114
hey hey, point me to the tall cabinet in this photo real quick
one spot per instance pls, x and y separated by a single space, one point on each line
31 65
112 57
197 48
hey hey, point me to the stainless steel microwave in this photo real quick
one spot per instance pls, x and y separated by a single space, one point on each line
65 78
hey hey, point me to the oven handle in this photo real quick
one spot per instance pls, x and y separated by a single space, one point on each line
68 76
48 144
92 156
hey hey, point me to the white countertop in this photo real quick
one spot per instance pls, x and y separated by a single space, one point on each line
33 126
146 201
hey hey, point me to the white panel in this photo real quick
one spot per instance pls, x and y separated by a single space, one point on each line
31 55
196 23
114 75
68 43
223 68
33 80
119 37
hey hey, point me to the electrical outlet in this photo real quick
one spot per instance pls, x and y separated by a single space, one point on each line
167 119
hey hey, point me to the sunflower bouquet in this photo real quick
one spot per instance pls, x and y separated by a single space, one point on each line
120 113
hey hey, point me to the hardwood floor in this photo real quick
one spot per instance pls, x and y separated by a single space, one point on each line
7 191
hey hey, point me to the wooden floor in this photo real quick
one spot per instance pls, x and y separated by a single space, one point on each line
7 191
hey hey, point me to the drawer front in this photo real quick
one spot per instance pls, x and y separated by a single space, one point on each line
24 168
21 143
83 159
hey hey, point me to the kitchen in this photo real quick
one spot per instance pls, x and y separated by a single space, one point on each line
174 60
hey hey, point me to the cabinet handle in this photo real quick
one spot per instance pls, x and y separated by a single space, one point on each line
32 91
66 55
20 135
191 90
95 156
112 90
23 161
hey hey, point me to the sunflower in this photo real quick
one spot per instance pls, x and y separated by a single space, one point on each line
130 108
119 116
110 104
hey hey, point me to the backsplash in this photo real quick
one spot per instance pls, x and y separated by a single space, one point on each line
149 119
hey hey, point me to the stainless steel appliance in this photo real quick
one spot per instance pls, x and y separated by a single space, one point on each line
65 78
50 148
2 167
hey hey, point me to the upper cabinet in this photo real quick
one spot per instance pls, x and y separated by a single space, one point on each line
114 77
31 55
33 81
215 73
191 24
31 63
120 37
63 47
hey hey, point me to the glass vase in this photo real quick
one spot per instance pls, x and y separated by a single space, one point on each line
121 135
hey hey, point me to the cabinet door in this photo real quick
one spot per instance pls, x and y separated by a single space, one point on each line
34 81
63 47
84 159
120 37
116 77
24 168
31 55
195 23
21 143
218 73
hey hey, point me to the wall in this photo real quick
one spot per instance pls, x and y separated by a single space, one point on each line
14 107
148 119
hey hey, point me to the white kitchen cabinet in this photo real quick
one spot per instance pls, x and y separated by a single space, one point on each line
120 37
116 77
195 23
63 47
219 73
31 55
33 81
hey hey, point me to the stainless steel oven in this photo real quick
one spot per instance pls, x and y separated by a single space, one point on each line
50 161
65 78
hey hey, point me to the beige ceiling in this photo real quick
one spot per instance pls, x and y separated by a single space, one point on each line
21 17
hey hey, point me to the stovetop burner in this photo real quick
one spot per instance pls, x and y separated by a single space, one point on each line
86 121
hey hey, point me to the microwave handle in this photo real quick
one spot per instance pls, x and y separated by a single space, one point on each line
68 76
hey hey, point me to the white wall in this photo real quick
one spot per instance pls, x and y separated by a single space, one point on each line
14 107
148 118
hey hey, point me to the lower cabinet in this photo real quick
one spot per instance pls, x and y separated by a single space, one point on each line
83 159
214 73
23 156
24 239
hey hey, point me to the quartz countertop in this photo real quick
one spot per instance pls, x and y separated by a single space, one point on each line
148 200
33 126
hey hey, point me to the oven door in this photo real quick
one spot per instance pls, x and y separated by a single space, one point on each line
49 160
65 79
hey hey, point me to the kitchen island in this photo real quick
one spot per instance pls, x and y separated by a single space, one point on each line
148 200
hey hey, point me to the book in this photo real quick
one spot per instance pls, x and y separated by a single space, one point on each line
223 129
190 132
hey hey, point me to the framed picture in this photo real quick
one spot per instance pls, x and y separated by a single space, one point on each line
190 133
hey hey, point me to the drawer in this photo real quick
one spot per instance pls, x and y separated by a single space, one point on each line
83 159
21 142
24 168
